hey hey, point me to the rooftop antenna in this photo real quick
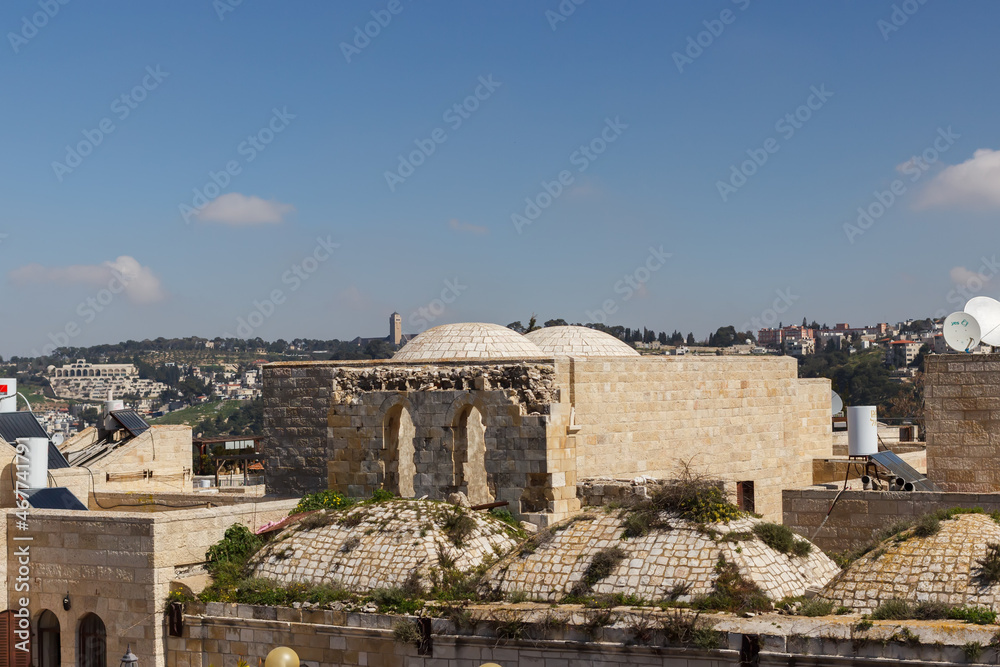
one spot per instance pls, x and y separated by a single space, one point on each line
962 332
987 313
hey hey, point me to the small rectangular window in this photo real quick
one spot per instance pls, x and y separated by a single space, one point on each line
744 496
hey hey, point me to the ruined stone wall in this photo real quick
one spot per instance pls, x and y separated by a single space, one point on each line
962 421
734 418
523 456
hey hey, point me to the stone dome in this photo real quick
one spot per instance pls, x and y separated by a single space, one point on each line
571 341
685 556
940 568
471 340
380 545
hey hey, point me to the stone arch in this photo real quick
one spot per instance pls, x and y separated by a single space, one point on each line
48 651
398 453
468 452
92 649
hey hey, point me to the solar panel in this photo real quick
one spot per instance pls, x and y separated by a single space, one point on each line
14 425
131 421
901 468
56 459
58 498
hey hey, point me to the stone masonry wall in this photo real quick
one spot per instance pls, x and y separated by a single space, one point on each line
733 418
962 421
526 459
859 514
119 566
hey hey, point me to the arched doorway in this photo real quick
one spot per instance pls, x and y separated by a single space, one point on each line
398 464
48 651
469 456
92 649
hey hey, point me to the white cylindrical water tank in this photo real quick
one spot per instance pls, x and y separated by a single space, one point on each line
38 461
862 430
8 395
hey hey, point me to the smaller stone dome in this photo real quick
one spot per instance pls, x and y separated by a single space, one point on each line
470 340
573 341
942 567
381 545
682 557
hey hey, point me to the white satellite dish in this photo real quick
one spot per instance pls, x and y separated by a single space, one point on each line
836 403
987 313
961 332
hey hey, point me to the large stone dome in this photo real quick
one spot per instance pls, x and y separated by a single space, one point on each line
471 340
573 341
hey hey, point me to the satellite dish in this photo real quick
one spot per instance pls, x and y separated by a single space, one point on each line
961 332
836 403
987 313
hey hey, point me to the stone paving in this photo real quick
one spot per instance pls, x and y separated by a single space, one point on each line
683 557
939 568
390 542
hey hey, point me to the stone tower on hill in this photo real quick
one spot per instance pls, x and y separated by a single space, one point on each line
395 328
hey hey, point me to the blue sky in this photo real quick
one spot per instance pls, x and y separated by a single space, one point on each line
200 80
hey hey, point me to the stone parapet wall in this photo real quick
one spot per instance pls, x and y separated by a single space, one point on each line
219 634
962 421
859 514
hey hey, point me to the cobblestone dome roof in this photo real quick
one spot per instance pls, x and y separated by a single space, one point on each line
938 568
574 341
386 543
656 562
470 340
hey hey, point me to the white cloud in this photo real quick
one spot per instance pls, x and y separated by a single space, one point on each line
141 284
963 276
235 209
974 183
460 226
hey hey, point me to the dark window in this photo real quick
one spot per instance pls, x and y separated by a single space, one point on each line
93 642
744 496
48 640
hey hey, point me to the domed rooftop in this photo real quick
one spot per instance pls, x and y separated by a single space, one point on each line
939 568
571 341
683 558
381 545
470 340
